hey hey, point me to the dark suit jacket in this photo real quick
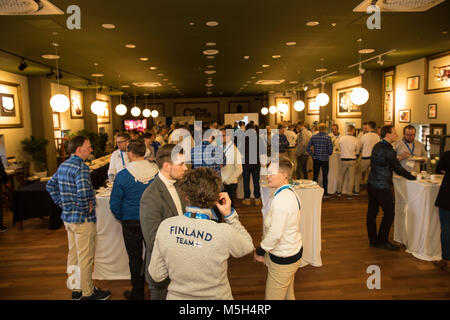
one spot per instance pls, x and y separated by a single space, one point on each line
156 206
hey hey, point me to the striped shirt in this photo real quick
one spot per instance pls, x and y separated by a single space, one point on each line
71 189
323 147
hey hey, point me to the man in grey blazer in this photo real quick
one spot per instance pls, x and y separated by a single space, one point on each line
161 200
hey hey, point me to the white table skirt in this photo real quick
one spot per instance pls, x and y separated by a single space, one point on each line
310 221
333 174
417 223
111 258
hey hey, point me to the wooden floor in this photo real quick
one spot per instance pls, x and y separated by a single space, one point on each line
33 262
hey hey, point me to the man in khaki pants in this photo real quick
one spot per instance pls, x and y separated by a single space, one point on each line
71 189
349 146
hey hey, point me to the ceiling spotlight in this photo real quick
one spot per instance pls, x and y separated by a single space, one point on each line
277 56
153 68
143 59
23 65
108 26
246 57
212 23
51 73
291 43
312 23
59 76
130 46
210 44
380 61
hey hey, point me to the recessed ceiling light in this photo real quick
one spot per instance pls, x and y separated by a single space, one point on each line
143 59
130 46
266 65
252 77
125 86
165 79
97 75
321 70
210 71
312 23
210 52
248 82
246 57
333 24
210 57
55 44
293 82
153 68
365 51
259 72
290 44
210 66
277 56
212 23
192 23
50 56
210 44
161 74
108 26
209 85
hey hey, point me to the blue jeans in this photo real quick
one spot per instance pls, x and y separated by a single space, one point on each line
444 216
254 170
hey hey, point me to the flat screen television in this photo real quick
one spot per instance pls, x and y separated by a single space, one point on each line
140 125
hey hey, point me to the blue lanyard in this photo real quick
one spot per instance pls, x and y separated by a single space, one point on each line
414 147
200 216
123 161
228 148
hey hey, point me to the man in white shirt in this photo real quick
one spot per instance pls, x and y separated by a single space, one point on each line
349 146
367 142
233 168
335 135
119 158
281 248
161 200
407 148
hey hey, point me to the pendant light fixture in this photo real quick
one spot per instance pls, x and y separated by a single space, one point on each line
299 105
155 112
59 102
135 111
322 98
264 111
97 107
359 96
146 112
121 109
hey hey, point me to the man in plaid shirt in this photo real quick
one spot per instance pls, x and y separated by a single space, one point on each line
323 148
71 189
209 154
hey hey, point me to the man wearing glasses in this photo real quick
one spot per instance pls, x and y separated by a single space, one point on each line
119 158
408 148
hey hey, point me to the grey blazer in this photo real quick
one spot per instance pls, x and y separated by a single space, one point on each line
156 206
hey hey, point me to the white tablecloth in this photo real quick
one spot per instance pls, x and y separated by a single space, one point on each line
333 174
111 258
416 223
310 221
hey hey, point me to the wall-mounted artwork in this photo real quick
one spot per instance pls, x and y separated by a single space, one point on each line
388 83
105 116
313 107
239 106
413 83
10 105
345 108
437 73
432 111
404 116
56 121
76 104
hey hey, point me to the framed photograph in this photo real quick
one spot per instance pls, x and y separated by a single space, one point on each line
76 104
239 106
10 105
56 121
105 116
404 116
413 83
312 107
438 129
388 83
345 108
432 111
288 102
437 73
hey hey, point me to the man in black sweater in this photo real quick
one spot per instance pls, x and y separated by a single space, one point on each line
383 162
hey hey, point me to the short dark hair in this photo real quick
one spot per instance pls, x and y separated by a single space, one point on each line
147 135
372 125
124 135
201 186
385 130
137 147
75 143
280 126
228 127
409 127
164 154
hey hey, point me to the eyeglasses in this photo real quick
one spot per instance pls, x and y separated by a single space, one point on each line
119 142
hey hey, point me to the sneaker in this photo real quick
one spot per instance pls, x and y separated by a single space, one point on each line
356 193
3 229
327 196
77 295
258 202
246 202
98 295
130 295
339 194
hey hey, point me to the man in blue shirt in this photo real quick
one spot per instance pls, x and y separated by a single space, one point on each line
283 141
71 189
209 154
323 149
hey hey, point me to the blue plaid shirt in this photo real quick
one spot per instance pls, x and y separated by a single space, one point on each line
204 155
323 147
71 189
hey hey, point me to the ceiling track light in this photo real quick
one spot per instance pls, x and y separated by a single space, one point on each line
379 57
23 65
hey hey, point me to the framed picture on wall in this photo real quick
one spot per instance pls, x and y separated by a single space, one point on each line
388 83
76 104
404 116
313 107
437 73
413 83
56 121
432 111
345 108
105 116
10 105
438 129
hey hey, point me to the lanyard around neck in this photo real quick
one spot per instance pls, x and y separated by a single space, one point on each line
290 187
409 149
123 160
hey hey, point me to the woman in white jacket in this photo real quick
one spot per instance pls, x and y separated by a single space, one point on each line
281 248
